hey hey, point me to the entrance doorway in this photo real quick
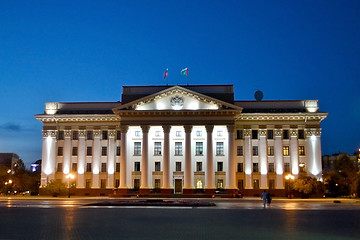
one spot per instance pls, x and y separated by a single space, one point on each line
178 186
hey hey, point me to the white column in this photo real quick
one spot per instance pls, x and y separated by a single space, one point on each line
231 181
294 152
48 157
81 160
96 159
111 159
188 168
144 158
209 184
248 162
278 154
67 151
313 152
123 183
166 157
263 159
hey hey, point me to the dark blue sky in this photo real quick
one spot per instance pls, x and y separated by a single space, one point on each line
87 50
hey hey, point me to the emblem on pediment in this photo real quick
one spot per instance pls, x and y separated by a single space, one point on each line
177 102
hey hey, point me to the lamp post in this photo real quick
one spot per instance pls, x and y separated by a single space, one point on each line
289 178
69 178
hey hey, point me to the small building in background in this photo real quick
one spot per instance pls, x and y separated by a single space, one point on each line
9 160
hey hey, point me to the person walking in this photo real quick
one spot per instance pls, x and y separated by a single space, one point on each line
268 198
264 196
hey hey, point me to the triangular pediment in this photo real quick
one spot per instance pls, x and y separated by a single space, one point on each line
177 98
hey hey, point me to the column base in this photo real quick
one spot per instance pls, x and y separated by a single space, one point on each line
122 191
167 191
188 191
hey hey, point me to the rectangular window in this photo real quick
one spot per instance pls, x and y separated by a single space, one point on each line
255 167
157 167
219 166
103 167
59 167
89 151
256 184
199 148
137 166
157 183
254 134
87 183
117 183
239 134
198 166
88 167
239 151
219 133
61 135
74 167
118 135
104 135
178 133
302 150
198 133
270 151
157 148
240 167
118 151
286 134
75 135
137 148
178 148
74 151
240 184
220 183
286 167
117 167
90 135
301 134
103 151
103 183
60 151
137 134
178 167
286 150
271 167
219 148
157 133
270 134
136 184
255 151
271 184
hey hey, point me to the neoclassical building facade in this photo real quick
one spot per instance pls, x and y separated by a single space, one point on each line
192 139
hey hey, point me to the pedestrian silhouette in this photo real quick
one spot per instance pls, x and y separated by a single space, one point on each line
264 197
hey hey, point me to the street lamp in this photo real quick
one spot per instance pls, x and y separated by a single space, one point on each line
289 178
69 177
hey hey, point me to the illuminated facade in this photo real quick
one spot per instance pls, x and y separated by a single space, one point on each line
192 139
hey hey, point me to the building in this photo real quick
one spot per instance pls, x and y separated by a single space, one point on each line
191 139
329 161
9 161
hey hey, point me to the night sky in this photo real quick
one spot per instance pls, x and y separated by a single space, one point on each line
78 51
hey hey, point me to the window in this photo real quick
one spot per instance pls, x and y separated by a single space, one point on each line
178 148
88 167
302 150
271 184
254 134
118 151
219 148
271 167
255 167
157 166
74 151
103 151
240 167
198 133
198 166
137 134
240 184
219 133
286 150
137 166
104 135
103 183
60 151
219 166
157 148
270 150
118 135
286 134
117 183
239 151
90 135
136 184
59 167
239 134
286 167
61 135
256 184
117 167
199 148
74 167
157 134
178 133
87 183
199 184
157 183
270 134
89 151
137 148
103 167
75 135
255 151
178 167
220 183
301 134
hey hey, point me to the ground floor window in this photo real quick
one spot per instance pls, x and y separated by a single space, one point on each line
136 183
117 183
240 184
103 183
271 184
157 183
256 184
199 184
87 183
220 183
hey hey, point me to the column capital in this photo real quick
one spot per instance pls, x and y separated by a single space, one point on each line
188 128
209 128
124 128
67 132
145 128
82 133
247 132
262 132
49 133
313 132
230 128
166 128
112 132
293 132
278 132
97 132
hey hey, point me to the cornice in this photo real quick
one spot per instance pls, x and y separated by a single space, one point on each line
281 116
77 118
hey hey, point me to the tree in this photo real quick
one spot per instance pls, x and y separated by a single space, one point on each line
307 185
55 188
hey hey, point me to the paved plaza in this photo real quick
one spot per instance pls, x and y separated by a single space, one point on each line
62 218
